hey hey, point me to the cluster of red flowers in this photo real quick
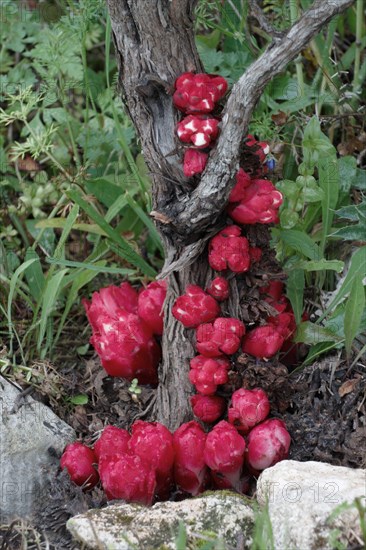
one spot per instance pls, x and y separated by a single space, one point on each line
151 463
125 324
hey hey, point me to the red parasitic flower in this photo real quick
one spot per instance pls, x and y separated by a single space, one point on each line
195 307
263 342
189 467
224 452
112 442
198 93
274 290
219 289
243 180
255 254
206 374
198 129
194 162
260 148
268 443
284 323
248 408
150 305
208 408
229 250
259 203
127 477
153 443
223 336
79 459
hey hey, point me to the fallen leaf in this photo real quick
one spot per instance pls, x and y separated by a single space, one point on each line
347 387
280 118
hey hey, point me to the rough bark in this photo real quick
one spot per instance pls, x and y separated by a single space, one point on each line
154 43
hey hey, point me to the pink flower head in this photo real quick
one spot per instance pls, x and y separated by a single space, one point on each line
150 305
113 441
284 323
263 342
268 443
153 443
79 461
223 336
126 346
206 373
259 204
189 467
243 180
229 250
198 129
195 307
224 452
198 93
248 408
219 289
112 301
208 408
194 162
127 477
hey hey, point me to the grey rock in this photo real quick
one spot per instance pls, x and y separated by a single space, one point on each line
301 498
31 439
125 526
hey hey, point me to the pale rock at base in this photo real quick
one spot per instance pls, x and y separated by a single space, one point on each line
302 495
125 526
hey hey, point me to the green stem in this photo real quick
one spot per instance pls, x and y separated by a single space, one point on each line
358 49
294 15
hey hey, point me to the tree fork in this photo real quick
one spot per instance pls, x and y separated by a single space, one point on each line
154 42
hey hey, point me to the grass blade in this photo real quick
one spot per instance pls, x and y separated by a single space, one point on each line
295 292
50 296
329 183
353 313
34 274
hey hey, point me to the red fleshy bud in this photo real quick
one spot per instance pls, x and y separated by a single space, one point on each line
229 250
153 443
284 323
195 307
219 289
198 93
259 204
248 408
268 443
243 180
255 254
274 290
224 452
127 477
198 129
78 459
208 408
260 148
189 466
194 162
223 336
150 305
113 441
263 342
206 374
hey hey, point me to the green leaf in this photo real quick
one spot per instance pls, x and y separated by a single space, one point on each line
321 265
105 191
354 212
357 269
99 268
49 300
319 349
329 183
79 399
12 287
295 292
300 242
360 180
34 274
122 247
59 223
83 350
353 313
351 233
310 333
313 195
347 171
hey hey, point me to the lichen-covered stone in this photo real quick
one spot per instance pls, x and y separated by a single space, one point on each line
306 504
123 526
31 437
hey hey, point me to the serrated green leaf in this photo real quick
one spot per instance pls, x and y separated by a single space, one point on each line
321 265
359 181
356 269
310 333
300 242
347 171
351 233
354 212
353 313
295 292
